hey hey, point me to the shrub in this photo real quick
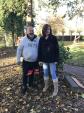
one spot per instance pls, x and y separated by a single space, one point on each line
64 55
81 38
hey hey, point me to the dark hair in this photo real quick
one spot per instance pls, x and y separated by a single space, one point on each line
44 29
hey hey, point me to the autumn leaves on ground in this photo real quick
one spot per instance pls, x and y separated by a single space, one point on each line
12 101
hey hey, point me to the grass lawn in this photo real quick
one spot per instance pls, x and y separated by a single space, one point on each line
77 51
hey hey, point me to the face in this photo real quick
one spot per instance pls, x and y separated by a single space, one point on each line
48 31
30 31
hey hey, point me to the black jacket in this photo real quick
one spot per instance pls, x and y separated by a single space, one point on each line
48 50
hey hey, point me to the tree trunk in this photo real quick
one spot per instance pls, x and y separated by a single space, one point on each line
76 39
71 37
62 36
5 37
13 38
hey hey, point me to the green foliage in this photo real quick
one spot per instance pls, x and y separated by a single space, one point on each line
64 54
13 16
14 12
54 4
81 38
74 7
14 23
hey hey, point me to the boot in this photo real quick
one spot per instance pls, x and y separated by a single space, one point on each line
55 83
46 85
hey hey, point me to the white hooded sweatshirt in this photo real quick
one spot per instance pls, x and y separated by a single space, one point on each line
28 49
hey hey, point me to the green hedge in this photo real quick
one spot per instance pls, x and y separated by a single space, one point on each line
64 55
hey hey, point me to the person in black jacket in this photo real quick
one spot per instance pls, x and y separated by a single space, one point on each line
48 54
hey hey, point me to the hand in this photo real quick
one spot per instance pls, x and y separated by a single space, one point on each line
40 63
56 63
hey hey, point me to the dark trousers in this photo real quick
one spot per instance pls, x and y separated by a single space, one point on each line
28 66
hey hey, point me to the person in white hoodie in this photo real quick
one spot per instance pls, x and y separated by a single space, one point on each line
28 49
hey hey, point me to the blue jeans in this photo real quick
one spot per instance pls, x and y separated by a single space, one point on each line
52 67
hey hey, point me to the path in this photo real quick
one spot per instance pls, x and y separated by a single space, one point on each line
77 71
74 69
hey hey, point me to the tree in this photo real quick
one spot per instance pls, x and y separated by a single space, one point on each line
13 24
56 23
74 7
13 16
71 31
63 31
